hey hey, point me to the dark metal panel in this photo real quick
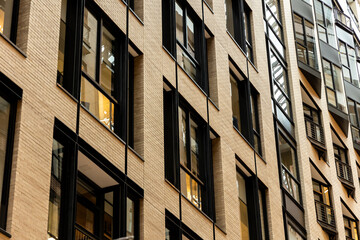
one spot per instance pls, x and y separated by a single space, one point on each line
312 75
303 9
329 53
341 118
352 91
296 212
345 36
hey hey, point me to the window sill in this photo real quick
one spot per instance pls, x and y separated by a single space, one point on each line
192 80
208 5
5 233
232 38
183 196
214 104
172 185
115 135
69 94
13 45
131 10
137 154
243 137
169 53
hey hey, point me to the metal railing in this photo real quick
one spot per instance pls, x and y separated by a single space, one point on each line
341 17
315 131
344 171
325 213
81 234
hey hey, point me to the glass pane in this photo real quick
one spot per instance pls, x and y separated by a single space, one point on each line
186 63
89 44
130 217
329 20
61 50
55 189
254 111
274 24
195 193
274 7
247 24
182 137
229 17
356 135
355 231
352 112
235 103
353 67
194 140
322 33
244 221
85 217
339 87
287 155
290 185
326 197
331 97
281 99
96 103
311 45
343 57
185 184
301 53
241 186
191 36
179 23
319 13
328 74
299 30
346 73
293 235
108 215
316 187
107 62
278 73
6 12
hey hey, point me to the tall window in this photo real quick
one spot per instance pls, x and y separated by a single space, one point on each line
349 65
289 171
343 167
61 50
189 43
245 110
238 23
354 114
325 21
305 41
324 210
8 18
244 218
273 17
188 153
100 200
334 86
351 229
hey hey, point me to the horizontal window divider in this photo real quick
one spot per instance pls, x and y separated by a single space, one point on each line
107 128
169 53
193 80
322 202
136 16
273 15
13 45
281 41
172 185
282 110
290 174
237 130
298 204
187 53
231 36
99 88
191 174
203 213
281 89
277 54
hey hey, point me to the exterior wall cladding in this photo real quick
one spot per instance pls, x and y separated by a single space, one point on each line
179 119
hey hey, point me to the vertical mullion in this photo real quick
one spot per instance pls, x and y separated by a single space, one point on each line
98 50
185 34
188 139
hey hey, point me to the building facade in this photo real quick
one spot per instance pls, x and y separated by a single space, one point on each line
179 119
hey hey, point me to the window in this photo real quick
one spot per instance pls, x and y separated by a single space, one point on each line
238 23
314 129
325 21
324 210
101 201
273 17
280 85
349 65
293 234
245 110
183 38
289 170
343 167
305 41
351 229
96 77
190 169
8 105
175 230
354 115
8 18
252 207
334 86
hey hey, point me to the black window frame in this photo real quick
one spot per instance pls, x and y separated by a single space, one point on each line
177 228
267 9
125 188
14 22
351 220
357 115
242 18
305 45
170 42
348 67
325 26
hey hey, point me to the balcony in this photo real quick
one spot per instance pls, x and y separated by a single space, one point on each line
325 217
315 133
341 18
345 175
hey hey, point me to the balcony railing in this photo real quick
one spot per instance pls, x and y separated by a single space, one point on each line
325 214
341 17
315 131
344 171
81 234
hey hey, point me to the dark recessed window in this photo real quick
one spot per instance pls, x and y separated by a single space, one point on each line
191 167
351 228
8 18
325 21
238 23
103 209
305 41
244 101
349 65
334 86
343 167
184 38
289 169
354 115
